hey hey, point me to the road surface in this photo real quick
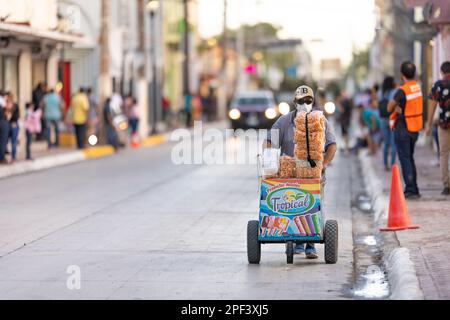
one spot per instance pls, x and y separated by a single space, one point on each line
139 227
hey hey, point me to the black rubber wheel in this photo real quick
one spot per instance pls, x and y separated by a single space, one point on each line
290 252
331 241
253 244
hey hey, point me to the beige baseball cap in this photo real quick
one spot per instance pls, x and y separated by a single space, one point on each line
303 91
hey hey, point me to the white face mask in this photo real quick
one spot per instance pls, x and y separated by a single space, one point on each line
304 107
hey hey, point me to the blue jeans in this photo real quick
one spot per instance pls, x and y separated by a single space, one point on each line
405 142
436 139
389 143
113 139
4 134
13 135
80 132
133 123
48 127
309 247
29 137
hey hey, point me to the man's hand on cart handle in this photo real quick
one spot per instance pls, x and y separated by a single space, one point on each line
267 144
329 155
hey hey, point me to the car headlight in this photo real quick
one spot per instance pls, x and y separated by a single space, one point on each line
234 114
284 108
330 107
270 113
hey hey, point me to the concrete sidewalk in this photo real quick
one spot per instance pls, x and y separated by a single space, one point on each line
45 159
428 246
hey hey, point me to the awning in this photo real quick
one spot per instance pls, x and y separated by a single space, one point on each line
27 33
440 12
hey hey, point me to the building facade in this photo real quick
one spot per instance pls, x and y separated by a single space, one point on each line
31 42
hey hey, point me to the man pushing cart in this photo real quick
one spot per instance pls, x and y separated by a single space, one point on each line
291 206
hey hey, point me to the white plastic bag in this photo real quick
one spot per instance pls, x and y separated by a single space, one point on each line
270 163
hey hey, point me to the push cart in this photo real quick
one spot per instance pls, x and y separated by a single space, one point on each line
290 212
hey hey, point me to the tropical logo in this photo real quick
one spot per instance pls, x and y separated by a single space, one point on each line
290 200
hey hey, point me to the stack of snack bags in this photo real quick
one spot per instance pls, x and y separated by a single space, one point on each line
287 168
316 133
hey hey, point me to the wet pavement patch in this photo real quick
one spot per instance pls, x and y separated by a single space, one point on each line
373 284
369 277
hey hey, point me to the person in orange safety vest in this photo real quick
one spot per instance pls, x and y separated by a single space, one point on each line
407 121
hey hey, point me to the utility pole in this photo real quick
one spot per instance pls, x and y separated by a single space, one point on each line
240 50
186 75
105 83
223 89
142 86
153 43
105 78
141 36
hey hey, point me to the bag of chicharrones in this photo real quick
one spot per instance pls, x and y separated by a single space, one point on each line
270 163
287 168
316 121
316 140
301 153
304 170
316 147
316 135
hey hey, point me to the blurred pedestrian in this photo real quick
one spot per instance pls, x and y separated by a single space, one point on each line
321 99
440 95
111 132
53 110
197 108
407 121
362 132
4 128
371 119
13 116
434 132
388 90
93 112
375 94
37 96
132 112
166 108
32 126
80 111
345 116
188 109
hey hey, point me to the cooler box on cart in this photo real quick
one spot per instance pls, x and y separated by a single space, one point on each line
290 209
290 212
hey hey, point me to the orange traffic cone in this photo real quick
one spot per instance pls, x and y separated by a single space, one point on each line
135 143
398 211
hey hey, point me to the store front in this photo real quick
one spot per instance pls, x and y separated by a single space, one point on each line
29 57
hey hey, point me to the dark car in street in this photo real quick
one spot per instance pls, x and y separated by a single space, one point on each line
255 109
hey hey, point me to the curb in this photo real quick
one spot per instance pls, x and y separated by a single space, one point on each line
52 161
98 152
403 281
402 275
41 164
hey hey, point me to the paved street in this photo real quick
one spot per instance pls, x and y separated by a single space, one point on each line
140 227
